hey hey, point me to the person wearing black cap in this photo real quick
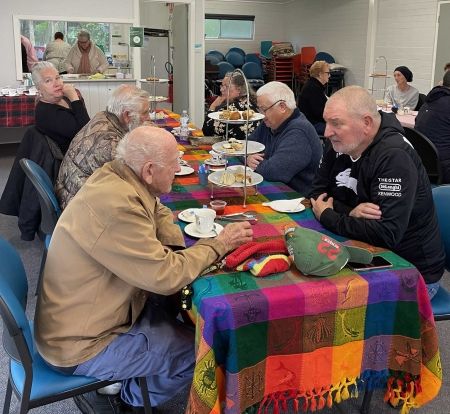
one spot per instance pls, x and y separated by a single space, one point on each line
401 94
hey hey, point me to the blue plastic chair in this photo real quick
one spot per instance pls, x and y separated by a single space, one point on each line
324 56
217 54
213 59
235 58
253 57
224 68
238 50
441 301
252 70
50 209
253 73
34 383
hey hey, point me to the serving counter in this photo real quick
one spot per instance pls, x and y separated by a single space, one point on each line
96 92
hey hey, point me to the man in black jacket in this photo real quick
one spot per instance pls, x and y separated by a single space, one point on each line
433 120
372 186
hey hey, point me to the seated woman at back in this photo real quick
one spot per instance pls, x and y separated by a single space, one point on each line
312 97
60 112
233 85
401 94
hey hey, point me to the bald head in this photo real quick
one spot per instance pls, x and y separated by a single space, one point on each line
356 100
146 144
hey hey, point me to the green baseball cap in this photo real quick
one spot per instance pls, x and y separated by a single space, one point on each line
318 254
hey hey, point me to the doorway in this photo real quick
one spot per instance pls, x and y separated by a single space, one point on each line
442 50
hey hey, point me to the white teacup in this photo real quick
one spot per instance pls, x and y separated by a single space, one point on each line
407 110
216 158
5 91
20 90
204 220
12 92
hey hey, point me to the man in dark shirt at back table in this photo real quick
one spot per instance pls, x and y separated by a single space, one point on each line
433 120
372 186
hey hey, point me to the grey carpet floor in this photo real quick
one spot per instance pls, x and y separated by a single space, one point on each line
31 254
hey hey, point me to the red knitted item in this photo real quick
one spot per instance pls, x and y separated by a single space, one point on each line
249 249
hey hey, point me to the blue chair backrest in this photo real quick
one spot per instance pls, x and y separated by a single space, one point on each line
224 68
213 59
235 58
253 57
324 56
252 70
238 50
217 54
50 209
441 197
13 299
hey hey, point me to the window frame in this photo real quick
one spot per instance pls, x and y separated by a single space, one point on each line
230 17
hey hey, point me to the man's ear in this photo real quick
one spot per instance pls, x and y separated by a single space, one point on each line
126 117
147 172
368 122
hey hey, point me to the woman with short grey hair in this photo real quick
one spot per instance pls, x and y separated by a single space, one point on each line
60 112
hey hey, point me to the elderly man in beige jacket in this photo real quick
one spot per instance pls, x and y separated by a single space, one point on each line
114 245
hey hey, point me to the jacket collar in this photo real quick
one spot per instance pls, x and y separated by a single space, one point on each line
285 123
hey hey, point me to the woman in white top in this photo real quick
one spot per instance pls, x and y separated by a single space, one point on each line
402 94
57 51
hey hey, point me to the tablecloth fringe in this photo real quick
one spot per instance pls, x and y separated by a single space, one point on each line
399 391
313 400
403 391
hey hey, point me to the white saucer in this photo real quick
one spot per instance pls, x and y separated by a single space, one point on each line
209 161
191 230
187 215
185 170
286 206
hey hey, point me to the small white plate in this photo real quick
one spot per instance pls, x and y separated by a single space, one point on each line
187 215
158 80
216 177
209 161
192 231
252 148
216 116
286 206
177 130
185 170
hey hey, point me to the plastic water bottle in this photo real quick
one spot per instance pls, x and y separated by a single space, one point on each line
184 127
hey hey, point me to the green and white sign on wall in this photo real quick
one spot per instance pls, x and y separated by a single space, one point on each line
136 36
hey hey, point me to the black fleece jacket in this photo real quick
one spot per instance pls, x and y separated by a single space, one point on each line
390 174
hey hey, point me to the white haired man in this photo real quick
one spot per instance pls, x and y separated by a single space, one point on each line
292 147
95 144
114 245
372 186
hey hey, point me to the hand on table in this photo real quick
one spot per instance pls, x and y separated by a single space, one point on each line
235 234
254 160
366 210
70 92
319 205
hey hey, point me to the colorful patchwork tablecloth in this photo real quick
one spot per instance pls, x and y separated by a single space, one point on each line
262 342
17 111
